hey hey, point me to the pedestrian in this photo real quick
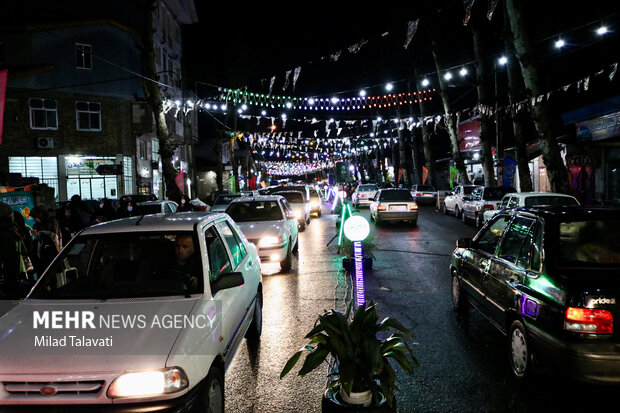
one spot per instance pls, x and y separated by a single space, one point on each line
81 210
70 224
129 209
13 256
46 239
103 212
185 204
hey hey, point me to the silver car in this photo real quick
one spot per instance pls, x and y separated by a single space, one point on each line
222 201
300 205
364 194
394 205
270 224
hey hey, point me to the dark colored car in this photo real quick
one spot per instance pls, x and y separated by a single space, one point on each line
548 279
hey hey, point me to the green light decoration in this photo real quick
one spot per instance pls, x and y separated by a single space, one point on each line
346 213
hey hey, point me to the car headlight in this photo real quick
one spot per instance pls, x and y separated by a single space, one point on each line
148 383
269 241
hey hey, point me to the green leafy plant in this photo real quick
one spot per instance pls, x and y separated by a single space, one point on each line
362 357
345 249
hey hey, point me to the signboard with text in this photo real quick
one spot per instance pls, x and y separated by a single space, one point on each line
469 135
596 129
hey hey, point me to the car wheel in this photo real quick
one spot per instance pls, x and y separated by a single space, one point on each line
319 214
256 328
445 209
463 217
296 247
478 220
458 299
213 394
287 262
456 212
302 226
520 356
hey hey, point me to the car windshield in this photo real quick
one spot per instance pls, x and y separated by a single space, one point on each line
314 194
424 188
396 196
293 197
532 201
367 188
467 190
121 265
589 243
225 199
495 194
255 211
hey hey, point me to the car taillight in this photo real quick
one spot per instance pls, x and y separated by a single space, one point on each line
413 207
489 207
588 320
380 208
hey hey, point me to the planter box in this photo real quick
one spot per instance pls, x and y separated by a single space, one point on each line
348 264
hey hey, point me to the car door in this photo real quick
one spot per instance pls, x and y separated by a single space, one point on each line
231 300
451 199
507 271
470 207
293 226
476 260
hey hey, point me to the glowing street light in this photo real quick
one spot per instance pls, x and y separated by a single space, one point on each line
425 82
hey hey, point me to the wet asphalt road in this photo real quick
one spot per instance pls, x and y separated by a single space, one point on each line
463 362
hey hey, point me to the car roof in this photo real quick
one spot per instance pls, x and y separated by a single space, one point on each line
290 192
158 202
256 198
524 194
178 221
568 213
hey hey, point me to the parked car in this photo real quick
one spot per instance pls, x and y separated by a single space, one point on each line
364 194
547 279
157 207
453 204
304 189
269 223
315 202
222 201
394 205
530 199
484 198
86 359
424 194
301 208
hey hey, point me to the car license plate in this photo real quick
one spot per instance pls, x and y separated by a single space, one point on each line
428 194
398 207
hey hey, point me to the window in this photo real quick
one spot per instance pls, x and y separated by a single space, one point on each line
46 169
88 116
128 174
155 150
83 56
43 113
520 229
235 245
514 202
141 149
487 240
219 263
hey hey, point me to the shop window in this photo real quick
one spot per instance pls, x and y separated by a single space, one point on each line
128 174
43 113
155 150
44 168
83 56
88 116
141 149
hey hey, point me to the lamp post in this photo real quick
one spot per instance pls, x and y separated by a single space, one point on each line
498 152
356 229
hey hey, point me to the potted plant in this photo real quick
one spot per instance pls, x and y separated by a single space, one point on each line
345 250
361 358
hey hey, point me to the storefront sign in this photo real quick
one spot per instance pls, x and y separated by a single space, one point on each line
22 202
596 129
85 166
510 171
109 169
469 135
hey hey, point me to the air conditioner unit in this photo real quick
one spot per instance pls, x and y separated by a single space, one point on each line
45 143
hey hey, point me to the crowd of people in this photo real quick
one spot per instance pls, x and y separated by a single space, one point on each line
25 253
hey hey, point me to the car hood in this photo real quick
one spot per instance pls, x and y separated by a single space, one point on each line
219 208
257 229
28 350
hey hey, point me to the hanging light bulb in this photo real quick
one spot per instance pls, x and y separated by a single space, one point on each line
559 44
502 60
362 93
425 82
447 76
463 72
389 87
602 30
264 113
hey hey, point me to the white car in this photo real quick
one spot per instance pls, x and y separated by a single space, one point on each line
301 207
484 198
222 201
269 223
394 204
531 199
453 204
157 207
364 194
424 194
127 317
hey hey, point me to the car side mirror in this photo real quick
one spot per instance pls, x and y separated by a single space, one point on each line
226 281
464 243
290 215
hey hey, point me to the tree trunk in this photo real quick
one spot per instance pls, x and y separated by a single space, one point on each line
519 119
556 170
167 144
450 121
429 156
402 154
485 97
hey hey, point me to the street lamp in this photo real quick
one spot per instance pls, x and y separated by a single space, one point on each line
502 61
